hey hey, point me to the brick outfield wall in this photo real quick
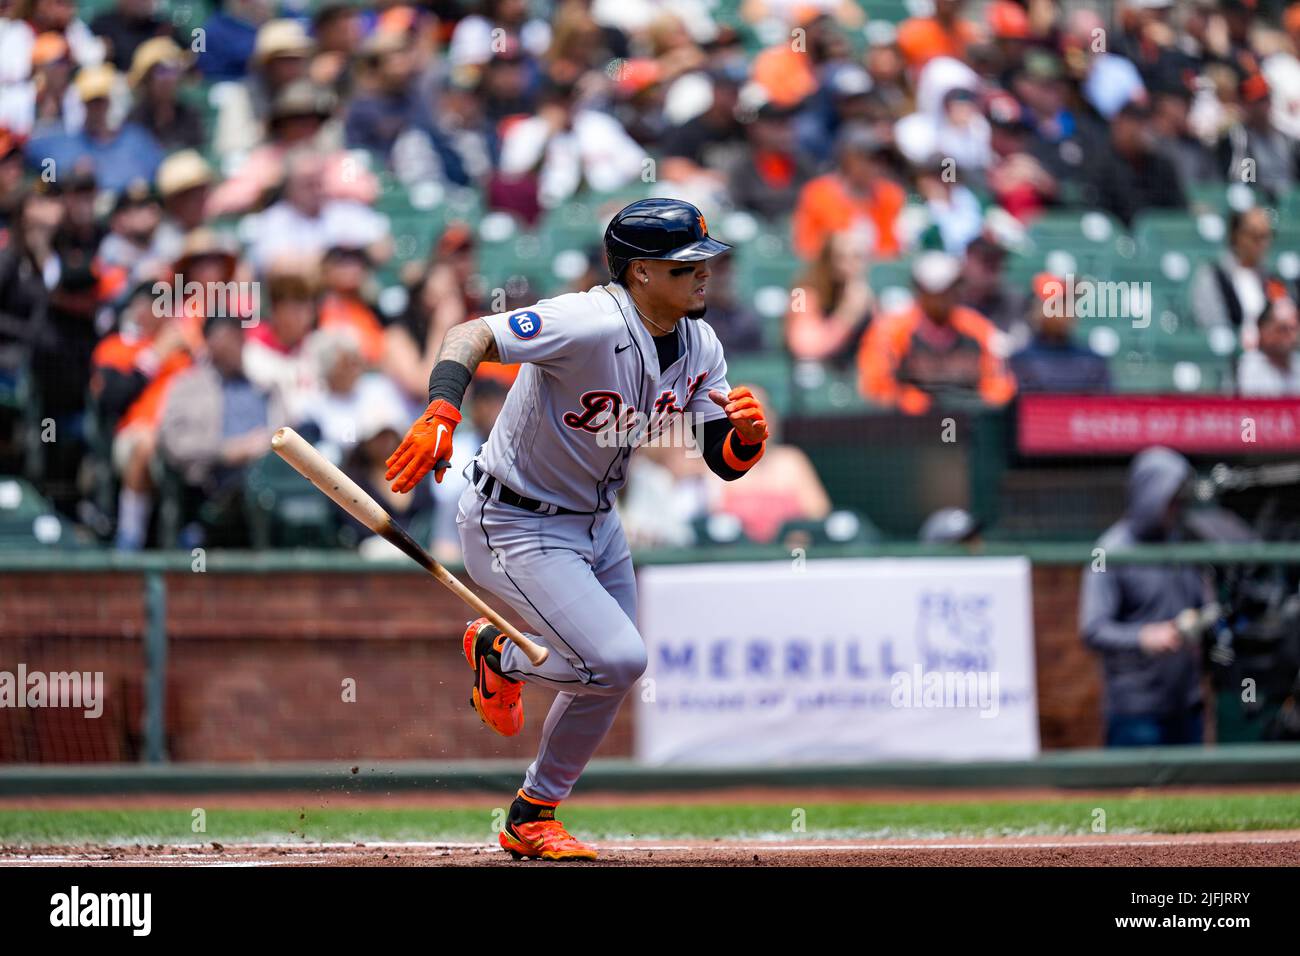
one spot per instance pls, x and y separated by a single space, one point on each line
256 665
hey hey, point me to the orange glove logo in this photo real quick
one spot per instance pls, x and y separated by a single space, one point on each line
745 414
426 447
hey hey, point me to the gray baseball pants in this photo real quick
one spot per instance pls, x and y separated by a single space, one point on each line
570 578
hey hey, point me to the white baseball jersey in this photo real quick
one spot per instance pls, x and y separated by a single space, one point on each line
589 362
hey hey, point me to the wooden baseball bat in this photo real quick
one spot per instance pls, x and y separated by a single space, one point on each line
313 466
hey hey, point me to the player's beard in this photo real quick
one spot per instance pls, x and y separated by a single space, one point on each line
697 313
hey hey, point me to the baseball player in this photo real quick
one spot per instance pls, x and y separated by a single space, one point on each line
602 372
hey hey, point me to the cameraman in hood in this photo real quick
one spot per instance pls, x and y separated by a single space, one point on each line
1127 613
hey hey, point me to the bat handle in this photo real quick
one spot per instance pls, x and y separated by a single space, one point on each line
398 535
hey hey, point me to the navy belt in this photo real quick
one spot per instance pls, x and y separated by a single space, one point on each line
486 484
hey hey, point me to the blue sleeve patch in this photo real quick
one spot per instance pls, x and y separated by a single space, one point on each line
525 325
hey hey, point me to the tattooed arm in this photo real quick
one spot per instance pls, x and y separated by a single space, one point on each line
469 343
463 348
427 445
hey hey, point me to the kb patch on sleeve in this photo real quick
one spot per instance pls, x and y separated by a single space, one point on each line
525 324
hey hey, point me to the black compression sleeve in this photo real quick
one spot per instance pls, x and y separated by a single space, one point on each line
448 381
715 435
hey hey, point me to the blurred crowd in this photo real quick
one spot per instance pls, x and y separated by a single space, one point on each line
190 238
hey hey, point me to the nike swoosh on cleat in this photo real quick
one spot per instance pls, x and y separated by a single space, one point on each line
482 689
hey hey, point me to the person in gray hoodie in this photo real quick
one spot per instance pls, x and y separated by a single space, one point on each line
1127 612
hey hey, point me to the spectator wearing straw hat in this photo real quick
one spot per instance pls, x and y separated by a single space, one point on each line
154 78
118 153
184 185
279 57
302 118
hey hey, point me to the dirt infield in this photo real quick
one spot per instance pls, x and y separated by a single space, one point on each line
909 845
1262 848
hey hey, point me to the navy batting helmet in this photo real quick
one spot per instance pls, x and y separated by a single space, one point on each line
658 229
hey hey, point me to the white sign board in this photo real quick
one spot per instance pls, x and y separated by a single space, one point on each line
837 661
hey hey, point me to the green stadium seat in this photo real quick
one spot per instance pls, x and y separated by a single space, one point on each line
889 11
1139 373
1159 232
286 510
1208 197
1066 242
1288 206
1286 236
769 371
842 526
571 226
28 521
1285 263
719 529
821 391
1187 342
764 258
890 275
1073 227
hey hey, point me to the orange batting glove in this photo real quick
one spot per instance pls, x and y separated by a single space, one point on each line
426 446
745 414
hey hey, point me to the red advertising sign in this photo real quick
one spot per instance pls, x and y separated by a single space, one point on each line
1122 424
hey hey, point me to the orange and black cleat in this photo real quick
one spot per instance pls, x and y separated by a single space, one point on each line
496 698
532 832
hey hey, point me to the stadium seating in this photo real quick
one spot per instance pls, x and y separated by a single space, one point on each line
284 509
28 521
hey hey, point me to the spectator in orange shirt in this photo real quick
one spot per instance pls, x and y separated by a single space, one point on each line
344 272
131 371
788 75
856 193
934 348
945 34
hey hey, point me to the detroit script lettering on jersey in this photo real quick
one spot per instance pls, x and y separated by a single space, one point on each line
590 373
